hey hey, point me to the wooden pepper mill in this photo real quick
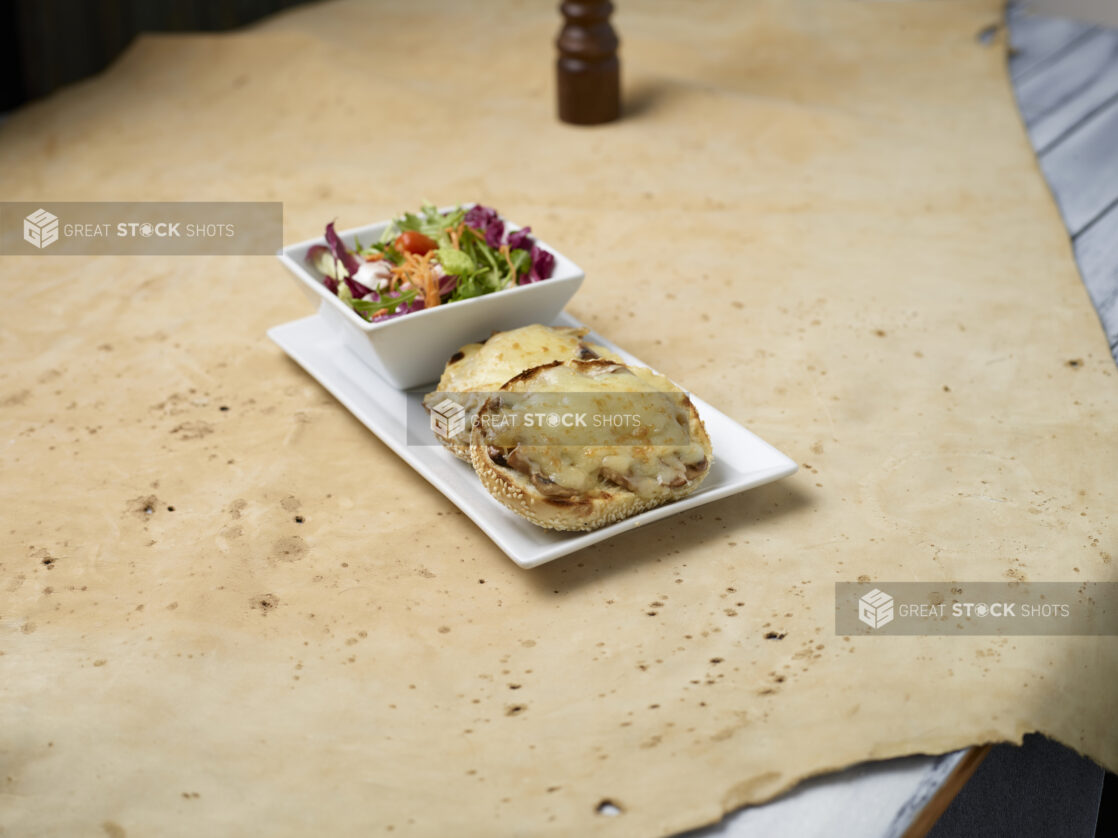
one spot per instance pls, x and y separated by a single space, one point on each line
589 73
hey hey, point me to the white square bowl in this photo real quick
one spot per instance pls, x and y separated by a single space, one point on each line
413 349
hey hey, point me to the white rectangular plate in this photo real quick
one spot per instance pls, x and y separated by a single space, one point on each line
742 460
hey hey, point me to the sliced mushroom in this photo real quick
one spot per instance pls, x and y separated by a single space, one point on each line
693 470
618 479
498 455
550 488
516 460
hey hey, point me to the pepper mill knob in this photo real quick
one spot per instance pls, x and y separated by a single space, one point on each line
589 73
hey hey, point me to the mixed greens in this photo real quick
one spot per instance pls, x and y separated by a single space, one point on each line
430 258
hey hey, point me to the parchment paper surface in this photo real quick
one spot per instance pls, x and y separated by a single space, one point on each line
824 218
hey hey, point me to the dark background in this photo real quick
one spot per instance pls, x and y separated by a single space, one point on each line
45 44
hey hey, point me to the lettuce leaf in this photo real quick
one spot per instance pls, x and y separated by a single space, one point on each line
455 261
388 303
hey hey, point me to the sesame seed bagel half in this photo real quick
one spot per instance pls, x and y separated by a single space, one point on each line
481 368
640 443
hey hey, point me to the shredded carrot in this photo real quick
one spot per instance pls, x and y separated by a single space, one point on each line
504 251
397 272
456 235
431 291
420 273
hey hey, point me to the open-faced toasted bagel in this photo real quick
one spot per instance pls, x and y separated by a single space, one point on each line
483 367
584 477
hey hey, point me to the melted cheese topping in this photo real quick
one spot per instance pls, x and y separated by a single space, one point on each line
486 366
650 457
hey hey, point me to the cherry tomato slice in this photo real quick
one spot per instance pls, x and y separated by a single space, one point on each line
415 242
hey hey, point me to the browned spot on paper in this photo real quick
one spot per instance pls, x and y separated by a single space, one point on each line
775 635
290 548
265 602
44 557
1074 363
114 830
290 503
192 430
143 507
237 507
15 398
515 709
